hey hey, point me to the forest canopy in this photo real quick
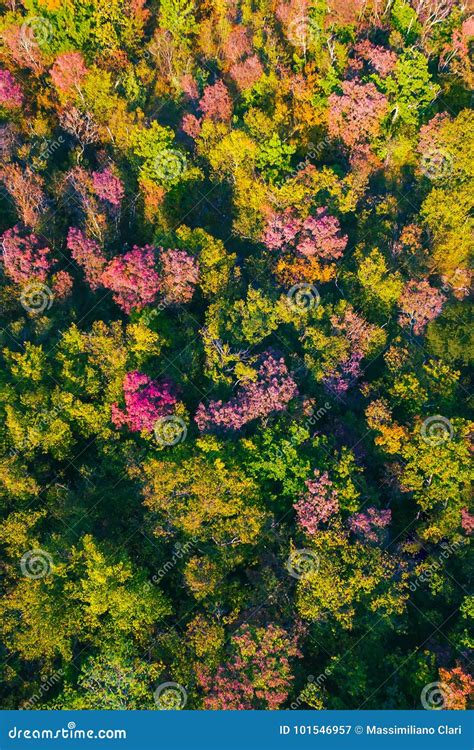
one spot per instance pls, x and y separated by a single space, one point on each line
236 338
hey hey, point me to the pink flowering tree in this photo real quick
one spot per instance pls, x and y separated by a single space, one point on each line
88 255
419 303
467 521
247 72
146 401
359 335
318 503
191 125
68 71
237 45
108 187
317 236
189 87
216 104
179 275
62 283
258 676
355 115
271 392
26 188
23 48
369 524
133 278
379 59
25 256
11 95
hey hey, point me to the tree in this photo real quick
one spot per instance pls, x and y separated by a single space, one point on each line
133 278
179 275
11 95
216 104
259 674
318 504
355 115
209 500
145 402
410 88
108 187
88 254
26 190
68 71
272 391
25 256
420 303
345 577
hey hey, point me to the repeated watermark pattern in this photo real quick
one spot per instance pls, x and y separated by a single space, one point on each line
437 430
436 164
50 147
36 30
44 688
435 696
301 562
304 31
169 165
180 551
434 567
36 297
303 297
36 563
170 696
170 431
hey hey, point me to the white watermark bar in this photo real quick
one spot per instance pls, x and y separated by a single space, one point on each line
233 730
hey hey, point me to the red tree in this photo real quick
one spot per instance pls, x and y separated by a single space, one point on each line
259 674
88 254
146 401
179 275
108 187
68 71
216 103
369 523
355 115
318 504
419 304
272 392
133 278
25 256
11 95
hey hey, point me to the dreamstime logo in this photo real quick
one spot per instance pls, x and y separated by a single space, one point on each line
314 150
435 696
36 30
170 696
436 164
169 164
44 688
170 430
36 297
50 147
180 551
304 31
302 561
435 566
437 430
36 563
303 297
313 417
